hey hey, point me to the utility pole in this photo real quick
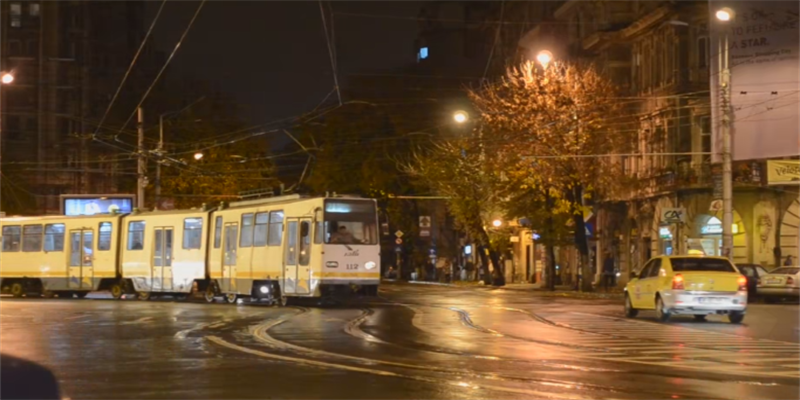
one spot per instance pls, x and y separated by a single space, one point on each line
727 167
158 161
142 166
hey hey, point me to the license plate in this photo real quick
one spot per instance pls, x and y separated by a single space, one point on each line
710 300
773 280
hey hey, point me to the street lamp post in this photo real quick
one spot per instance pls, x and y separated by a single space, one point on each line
5 79
724 15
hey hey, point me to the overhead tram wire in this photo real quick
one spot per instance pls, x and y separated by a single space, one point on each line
330 52
130 68
169 59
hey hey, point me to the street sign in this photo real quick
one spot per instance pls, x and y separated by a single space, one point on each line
425 221
672 215
398 241
424 233
399 234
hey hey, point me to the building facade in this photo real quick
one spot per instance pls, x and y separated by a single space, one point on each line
68 58
658 54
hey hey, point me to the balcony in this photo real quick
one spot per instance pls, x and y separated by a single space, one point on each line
704 176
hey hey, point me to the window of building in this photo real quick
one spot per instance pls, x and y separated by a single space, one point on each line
246 238
104 238
32 238
702 52
705 136
15 11
54 237
275 228
12 236
32 48
14 48
262 223
33 9
136 235
192 233
217 232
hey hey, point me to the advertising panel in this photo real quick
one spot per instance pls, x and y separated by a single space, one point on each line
763 46
96 204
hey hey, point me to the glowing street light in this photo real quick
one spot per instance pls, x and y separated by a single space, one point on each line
544 57
496 223
724 14
198 156
7 78
460 117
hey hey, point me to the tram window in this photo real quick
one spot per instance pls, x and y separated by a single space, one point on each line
275 228
192 233
262 223
246 238
319 232
217 232
54 237
104 237
136 235
32 238
305 243
291 244
11 238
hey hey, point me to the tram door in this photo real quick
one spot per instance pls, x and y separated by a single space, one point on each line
290 257
81 257
304 257
229 245
162 259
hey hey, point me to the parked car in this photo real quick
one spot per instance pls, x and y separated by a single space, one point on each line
780 283
753 273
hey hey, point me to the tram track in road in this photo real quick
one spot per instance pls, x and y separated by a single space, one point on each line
729 363
282 350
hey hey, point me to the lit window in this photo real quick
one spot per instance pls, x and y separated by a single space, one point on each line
104 238
16 15
33 9
423 53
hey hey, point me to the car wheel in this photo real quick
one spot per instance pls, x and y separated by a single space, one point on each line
700 318
630 312
662 314
736 317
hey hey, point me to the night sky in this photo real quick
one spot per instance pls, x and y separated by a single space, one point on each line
271 55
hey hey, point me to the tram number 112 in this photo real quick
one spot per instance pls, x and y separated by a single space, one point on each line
352 266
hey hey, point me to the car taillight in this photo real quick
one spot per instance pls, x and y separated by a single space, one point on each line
742 284
677 282
789 281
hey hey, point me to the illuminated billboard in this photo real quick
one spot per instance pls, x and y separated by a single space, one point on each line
96 204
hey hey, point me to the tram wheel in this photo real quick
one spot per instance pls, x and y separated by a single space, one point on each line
284 301
17 290
81 294
48 294
143 296
231 298
117 291
209 294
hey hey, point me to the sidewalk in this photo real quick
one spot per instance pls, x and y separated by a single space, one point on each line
532 288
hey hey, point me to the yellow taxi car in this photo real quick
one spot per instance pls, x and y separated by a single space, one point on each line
688 285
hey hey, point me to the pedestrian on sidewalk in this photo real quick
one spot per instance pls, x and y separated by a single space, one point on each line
608 272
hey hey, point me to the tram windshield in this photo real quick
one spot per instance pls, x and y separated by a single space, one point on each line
350 222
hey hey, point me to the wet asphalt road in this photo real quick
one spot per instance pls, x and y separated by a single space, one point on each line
412 342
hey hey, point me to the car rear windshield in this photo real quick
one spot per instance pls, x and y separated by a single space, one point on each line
786 271
701 264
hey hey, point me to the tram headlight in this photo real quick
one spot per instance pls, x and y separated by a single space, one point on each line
264 289
370 265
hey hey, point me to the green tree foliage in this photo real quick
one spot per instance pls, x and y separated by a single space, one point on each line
557 125
456 170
